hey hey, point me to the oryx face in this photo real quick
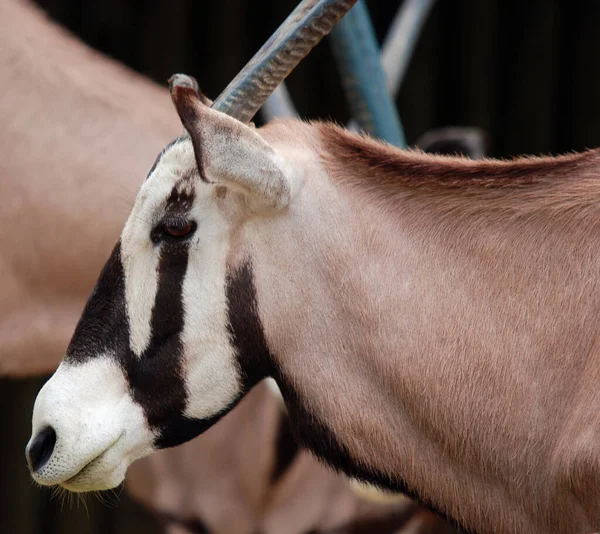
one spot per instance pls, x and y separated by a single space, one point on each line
153 361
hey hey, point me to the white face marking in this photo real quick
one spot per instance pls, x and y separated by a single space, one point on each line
140 259
212 378
211 372
95 441
100 429
185 372
141 284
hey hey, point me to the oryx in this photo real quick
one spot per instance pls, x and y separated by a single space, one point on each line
430 320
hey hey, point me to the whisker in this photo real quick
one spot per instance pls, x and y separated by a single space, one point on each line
105 498
98 495
116 493
82 498
58 492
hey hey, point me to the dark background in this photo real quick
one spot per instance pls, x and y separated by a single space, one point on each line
524 71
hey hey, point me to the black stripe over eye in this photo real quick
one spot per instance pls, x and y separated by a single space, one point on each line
173 229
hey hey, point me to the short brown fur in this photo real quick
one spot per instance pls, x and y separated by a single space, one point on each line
393 170
439 317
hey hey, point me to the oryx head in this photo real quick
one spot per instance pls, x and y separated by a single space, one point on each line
156 357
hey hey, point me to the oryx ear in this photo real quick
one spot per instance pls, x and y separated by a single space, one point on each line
229 152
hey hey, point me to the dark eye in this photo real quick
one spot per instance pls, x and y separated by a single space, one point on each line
178 228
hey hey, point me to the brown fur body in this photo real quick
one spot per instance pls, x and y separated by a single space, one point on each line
436 328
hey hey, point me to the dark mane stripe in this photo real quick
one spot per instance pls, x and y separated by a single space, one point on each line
381 165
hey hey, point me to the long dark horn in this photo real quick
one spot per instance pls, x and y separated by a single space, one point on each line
294 39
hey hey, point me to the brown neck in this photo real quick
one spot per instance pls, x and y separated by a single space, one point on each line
436 339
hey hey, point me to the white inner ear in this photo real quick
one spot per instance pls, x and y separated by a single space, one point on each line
238 157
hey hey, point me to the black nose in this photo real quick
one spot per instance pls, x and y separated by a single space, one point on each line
40 449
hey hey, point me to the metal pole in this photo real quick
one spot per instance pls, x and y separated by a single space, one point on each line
401 39
357 56
291 42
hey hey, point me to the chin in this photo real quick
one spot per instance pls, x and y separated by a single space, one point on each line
91 480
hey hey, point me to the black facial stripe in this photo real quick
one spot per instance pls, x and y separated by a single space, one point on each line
286 448
177 208
167 314
156 378
181 199
161 367
245 327
103 326
166 373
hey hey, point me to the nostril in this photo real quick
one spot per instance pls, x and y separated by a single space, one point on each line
40 449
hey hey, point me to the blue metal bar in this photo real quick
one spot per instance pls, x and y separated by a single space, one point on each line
357 55
396 53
